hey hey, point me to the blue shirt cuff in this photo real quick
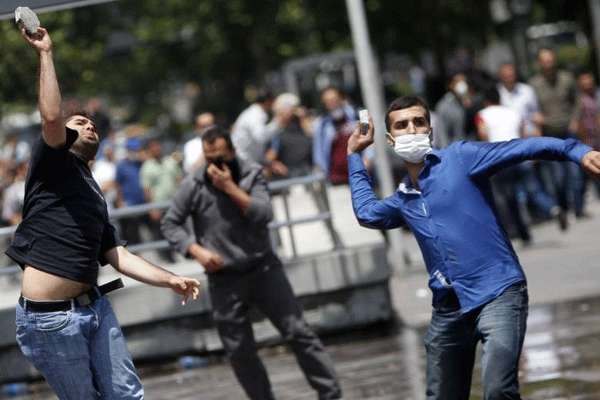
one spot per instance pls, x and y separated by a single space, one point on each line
355 163
577 150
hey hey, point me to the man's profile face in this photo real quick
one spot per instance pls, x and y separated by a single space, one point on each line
217 152
88 140
408 121
85 128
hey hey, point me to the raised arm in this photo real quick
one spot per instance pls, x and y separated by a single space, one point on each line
368 209
484 159
53 127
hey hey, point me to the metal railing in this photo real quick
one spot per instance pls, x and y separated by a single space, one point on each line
316 184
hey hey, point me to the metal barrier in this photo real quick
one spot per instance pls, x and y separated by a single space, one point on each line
316 184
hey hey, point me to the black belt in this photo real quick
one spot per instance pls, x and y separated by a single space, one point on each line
82 300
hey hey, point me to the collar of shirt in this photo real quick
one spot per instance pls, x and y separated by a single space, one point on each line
406 185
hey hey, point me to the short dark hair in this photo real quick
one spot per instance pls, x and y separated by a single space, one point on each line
211 134
72 113
491 95
403 102
263 95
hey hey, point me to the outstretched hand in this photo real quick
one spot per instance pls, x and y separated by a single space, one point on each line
591 163
358 142
186 287
40 40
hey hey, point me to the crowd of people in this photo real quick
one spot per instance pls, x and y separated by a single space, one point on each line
289 140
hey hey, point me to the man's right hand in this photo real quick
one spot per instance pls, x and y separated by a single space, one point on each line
211 261
40 41
358 142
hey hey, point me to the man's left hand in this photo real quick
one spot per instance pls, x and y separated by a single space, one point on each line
185 286
220 177
591 163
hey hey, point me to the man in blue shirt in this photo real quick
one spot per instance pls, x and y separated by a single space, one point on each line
479 288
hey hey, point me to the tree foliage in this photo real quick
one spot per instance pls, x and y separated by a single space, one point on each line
135 51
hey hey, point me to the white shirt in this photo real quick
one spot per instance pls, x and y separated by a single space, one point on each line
501 123
523 100
251 134
105 171
192 151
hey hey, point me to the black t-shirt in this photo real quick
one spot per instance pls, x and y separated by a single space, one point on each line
65 229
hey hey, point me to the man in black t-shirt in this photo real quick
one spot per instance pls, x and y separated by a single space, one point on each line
65 324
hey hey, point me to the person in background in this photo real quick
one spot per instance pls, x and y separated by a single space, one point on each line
498 123
586 119
14 195
192 149
129 189
555 90
251 133
330 136
159 177
451 112
104 171
290 153
521 98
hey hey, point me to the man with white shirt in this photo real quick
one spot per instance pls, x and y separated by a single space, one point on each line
521 98
251 133
498 123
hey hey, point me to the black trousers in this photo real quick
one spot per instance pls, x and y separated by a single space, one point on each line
267 288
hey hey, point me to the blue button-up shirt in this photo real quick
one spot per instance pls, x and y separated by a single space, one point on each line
452 215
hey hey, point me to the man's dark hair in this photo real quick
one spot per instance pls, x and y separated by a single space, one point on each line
72 113
336 89
491 95
210 135
583 71
263 95
406 102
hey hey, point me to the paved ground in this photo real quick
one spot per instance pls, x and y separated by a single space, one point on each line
561 358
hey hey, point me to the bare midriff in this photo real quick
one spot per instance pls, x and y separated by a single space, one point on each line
40 285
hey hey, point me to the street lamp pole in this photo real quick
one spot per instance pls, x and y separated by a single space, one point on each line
372 91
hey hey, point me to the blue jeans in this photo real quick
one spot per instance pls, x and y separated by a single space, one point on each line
452 338
81 352
564 181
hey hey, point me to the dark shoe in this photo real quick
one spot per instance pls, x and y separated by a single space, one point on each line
561 218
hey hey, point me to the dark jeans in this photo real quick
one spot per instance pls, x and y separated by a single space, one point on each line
505 186
452 338
528 187
564 181
268 289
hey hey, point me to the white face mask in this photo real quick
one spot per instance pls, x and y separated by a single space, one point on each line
412 148
461 88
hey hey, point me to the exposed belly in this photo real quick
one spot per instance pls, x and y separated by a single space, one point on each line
40 285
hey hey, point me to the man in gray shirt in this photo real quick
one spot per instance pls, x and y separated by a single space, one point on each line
229 205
